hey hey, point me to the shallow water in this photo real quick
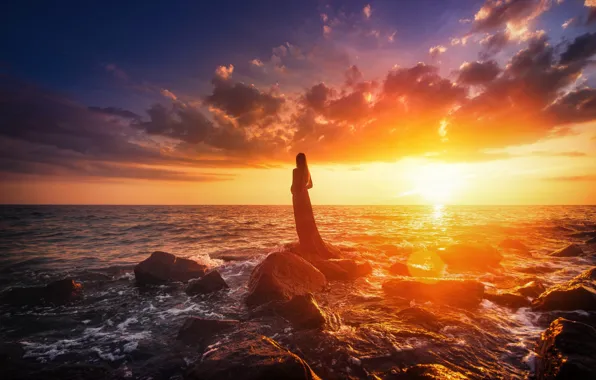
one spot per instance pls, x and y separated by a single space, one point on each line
131 331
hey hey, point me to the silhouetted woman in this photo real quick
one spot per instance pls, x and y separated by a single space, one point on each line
311 243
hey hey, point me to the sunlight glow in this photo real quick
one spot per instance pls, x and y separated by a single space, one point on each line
437 183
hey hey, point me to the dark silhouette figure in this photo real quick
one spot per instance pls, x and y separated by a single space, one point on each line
311 243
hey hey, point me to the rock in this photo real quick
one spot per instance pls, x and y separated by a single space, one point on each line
572 250
399 269
343 269
508 299
394 250
421 317
162 267
303 312
514 244
532 289
583 234
57 293
200 331
566 351
565 297
538 269
330 252
428 372
255 358
470 257
211 282
591 241
281 276
454 292
579 293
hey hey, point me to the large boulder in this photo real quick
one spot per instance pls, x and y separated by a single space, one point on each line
162 267
566 297
399 269
303 312
572 250
210 283
469 257
255 358
57 293
453 292
579 293
343 269
514 245
566 350
200 331
281 276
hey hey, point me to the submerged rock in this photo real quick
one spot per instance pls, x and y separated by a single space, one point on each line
578 293
281 276
162 267
200 331
57 292
453 292
508 299
514 244
255 358
211 282
343 269
399 269
566 351
572 250
470 257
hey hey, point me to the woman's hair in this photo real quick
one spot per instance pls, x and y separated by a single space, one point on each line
301 161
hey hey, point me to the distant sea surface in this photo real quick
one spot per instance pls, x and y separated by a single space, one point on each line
125 328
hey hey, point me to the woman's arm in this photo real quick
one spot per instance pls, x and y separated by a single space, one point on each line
309 182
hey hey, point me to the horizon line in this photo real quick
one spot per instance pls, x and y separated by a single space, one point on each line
289 204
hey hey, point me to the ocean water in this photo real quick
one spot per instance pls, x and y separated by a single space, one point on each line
130 331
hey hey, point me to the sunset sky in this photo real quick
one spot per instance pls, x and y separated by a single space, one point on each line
393 102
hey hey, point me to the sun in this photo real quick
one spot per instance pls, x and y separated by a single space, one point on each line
438 183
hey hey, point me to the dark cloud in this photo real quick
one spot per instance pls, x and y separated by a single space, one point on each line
575 107
591 16
316 97
115 111
582 48
478 73
179 122
493 44
246 104
353 76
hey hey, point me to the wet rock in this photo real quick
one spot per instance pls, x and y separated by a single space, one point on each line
162 267
514 244
421 317
572 250
399 269
343 269
468 257
57 293
427 372
303 312
566 351
578 293
531 289
508 299
583 234
453 292
281 276
591 241
330 252
538 269
200 331
210 283
565 297
255 358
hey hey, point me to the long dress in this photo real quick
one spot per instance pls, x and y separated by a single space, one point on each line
311 243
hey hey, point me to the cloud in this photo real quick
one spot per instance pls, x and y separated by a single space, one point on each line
168 94
495 14
574 107
577 178
436 51
367 11
116 71
582 48
478 73
114 111
224 72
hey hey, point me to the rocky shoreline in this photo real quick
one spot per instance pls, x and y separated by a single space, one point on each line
283 290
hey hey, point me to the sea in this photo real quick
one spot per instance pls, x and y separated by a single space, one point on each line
120 330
